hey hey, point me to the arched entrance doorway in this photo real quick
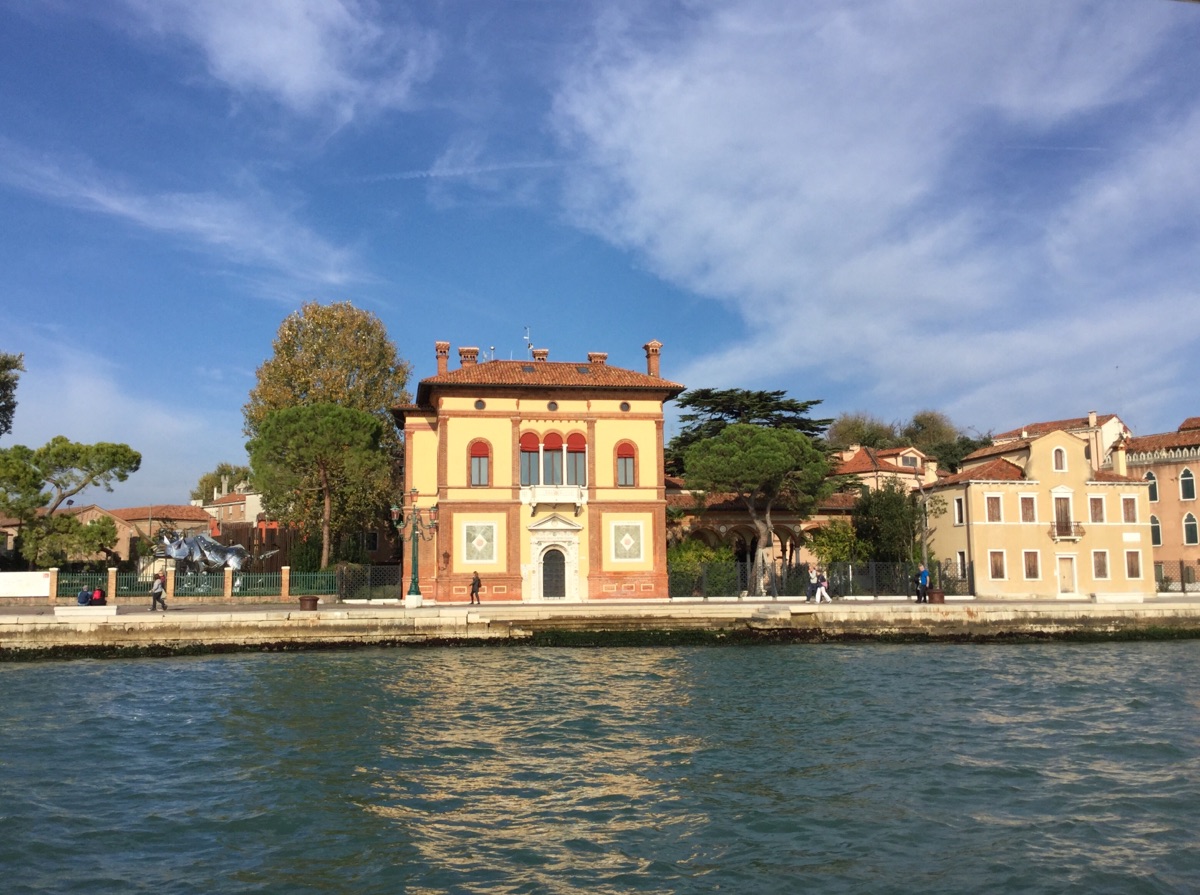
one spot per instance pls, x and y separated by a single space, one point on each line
554 574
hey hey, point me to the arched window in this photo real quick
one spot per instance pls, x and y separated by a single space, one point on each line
1191 532
1187 485
1155 532
1060 460
529 459
626 465
552 459
481 463
576 459
1153 480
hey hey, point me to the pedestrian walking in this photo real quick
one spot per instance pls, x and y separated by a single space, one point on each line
157 590
923 584
475 582
823 588
812 583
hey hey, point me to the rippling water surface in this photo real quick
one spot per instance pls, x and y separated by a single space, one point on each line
1046 768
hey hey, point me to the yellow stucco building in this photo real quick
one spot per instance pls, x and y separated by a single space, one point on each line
547 477
1036 517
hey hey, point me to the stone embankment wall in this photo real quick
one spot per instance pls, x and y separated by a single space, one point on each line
45 634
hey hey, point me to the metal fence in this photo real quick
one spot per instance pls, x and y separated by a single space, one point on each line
1176 577
313 583
873 579
129 583
368 583
257 584
71 583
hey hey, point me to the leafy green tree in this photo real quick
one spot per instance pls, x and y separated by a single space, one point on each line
763 468
950 454
11 366
926 428
887 522
34 484
61 537
321 468
835 542
211 482
336 354
711 410
863 429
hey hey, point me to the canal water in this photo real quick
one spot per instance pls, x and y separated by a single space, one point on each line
866 768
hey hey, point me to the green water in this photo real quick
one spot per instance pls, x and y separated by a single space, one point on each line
1034 768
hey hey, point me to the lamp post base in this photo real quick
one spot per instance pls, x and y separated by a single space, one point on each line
413 601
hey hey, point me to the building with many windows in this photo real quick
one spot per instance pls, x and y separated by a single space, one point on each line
547 477
1036 517
1170 465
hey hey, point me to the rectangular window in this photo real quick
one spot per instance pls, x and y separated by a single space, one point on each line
996 564
1129 509
1032 566
552 466
1028 509
1133 564
576 468
908 461
625 472
1100 564
959 515
961 561
529 468
479 471
371 541
1096 509
993 508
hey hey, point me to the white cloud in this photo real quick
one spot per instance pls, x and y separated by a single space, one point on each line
71 391
311 56
249 230
844 175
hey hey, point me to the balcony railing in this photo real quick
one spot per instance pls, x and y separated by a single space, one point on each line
1066 531
573 495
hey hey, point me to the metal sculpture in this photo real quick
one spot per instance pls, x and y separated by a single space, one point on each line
200 553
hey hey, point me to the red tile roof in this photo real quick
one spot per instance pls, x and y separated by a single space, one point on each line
1149 444
1035 429
999 470
541 374
174 512
1107 475
868 460
993 450
1192 422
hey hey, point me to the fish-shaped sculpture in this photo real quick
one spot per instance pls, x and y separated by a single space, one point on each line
201 553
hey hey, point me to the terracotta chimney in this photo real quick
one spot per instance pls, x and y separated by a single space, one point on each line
652 351
1092 418
442 350
599 358
467 357
1118 457
540 354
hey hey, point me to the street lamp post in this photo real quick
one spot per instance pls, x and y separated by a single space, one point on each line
419 529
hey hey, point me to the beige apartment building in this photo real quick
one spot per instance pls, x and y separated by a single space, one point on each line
1034 517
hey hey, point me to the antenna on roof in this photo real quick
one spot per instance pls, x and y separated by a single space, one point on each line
528 342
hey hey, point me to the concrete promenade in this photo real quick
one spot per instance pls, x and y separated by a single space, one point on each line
31 632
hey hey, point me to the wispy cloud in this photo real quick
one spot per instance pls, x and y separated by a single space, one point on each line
249 230
69 390
841 174
312 56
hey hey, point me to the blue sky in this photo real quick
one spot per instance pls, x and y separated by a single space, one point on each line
986 209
